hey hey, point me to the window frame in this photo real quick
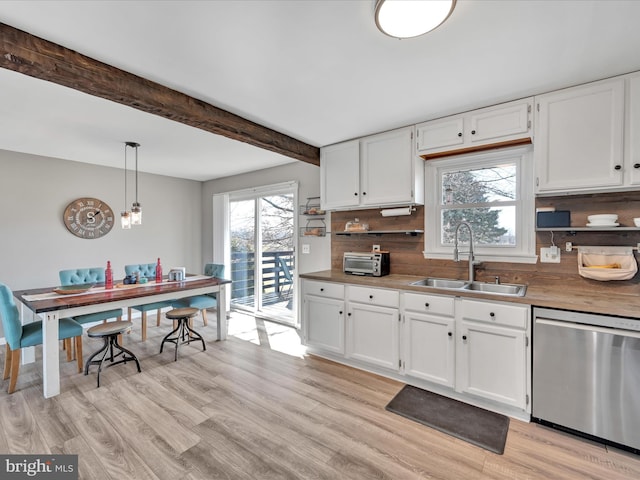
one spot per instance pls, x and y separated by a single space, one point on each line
524 250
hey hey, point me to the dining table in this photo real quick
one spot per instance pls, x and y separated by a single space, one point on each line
53 303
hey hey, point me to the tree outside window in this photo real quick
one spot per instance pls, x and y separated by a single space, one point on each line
485 198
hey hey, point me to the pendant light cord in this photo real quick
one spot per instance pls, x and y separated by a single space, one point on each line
136 174
125 177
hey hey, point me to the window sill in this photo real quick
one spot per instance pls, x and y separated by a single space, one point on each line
480 257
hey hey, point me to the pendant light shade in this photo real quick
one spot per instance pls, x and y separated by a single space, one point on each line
125 220
136 214
411 18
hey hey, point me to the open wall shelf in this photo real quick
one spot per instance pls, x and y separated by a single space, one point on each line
381 232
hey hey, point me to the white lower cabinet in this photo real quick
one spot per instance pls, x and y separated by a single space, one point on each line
429 338
372 334
373 320
476 347
323 319
492 346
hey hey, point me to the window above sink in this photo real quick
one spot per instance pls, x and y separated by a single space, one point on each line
492 191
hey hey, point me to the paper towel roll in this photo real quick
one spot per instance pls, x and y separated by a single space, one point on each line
395 212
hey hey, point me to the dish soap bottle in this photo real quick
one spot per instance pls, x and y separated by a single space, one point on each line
158 272
108 276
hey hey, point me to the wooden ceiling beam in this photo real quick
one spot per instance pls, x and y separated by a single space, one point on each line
39 58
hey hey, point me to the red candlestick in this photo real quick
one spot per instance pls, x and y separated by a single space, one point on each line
158 272
108 277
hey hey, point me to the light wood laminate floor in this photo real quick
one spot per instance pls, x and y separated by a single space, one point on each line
245 410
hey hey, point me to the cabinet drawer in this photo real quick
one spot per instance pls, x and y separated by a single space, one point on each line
374 296
515 316
324 289
435 304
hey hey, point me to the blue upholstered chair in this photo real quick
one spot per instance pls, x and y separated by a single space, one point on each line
81 276
147 270
20 336
202 302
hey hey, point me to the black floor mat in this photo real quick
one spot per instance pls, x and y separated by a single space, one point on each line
472 424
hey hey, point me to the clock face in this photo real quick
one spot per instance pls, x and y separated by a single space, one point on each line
88 218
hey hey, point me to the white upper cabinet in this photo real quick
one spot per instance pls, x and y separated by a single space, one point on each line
340 175
375 171
579 139
506 123
632 129
440 135
388 169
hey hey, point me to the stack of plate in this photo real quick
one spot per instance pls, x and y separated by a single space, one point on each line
602 221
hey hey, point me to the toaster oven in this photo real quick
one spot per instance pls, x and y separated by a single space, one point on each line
375 264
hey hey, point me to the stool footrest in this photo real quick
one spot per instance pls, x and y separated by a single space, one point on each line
107 351
183 334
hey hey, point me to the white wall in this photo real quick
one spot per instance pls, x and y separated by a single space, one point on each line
308 178
35 244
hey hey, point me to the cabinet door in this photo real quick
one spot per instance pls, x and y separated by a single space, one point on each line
340 175
323 323
372 335
633 130
439 135
429 348
491 363
500 124
579 138
387 168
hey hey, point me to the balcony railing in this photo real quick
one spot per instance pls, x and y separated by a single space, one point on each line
277 273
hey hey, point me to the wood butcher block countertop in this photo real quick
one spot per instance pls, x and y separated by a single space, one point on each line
551 294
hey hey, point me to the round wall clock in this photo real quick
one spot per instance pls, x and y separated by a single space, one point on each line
88 218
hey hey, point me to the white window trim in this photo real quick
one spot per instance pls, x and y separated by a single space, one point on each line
524 252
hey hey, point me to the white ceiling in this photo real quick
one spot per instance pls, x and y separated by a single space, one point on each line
317 70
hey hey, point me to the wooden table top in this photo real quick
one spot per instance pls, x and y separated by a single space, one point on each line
63 302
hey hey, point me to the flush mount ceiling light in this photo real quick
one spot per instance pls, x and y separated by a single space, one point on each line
411 18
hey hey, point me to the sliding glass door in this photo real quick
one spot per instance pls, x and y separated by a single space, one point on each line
262 236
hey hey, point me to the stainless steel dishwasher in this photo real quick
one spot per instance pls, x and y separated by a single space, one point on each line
586 375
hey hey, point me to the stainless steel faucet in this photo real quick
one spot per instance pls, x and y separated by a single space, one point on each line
456 256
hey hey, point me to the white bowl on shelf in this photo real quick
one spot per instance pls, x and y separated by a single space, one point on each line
602 225
604 219
636 222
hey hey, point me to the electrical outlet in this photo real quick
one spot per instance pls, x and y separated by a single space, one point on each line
306 248
550 255
376 248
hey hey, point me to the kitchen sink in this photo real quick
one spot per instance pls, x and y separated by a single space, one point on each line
508 289
440 283
498 288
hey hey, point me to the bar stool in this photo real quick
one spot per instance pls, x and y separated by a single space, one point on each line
110 332
184 332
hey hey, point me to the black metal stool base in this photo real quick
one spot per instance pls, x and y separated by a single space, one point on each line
110 342
184 334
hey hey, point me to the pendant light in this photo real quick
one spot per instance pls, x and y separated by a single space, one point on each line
411 18
125 217
136 208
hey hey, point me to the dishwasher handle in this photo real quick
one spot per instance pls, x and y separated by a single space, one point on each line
588 328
